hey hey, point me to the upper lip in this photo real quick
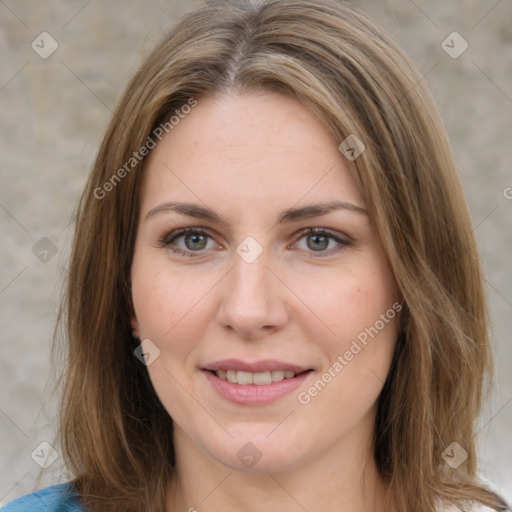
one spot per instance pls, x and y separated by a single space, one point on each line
254 367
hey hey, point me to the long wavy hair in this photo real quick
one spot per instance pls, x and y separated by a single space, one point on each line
115 435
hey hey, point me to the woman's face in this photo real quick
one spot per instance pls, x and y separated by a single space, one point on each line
254 287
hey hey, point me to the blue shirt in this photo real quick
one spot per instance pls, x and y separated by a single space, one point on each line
63 498
57 498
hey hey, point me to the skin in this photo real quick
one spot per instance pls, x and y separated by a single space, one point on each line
249 157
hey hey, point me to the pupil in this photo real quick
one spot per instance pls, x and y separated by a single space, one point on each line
324 238
194 239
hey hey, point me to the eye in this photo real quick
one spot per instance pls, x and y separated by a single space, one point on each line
195 241
318 239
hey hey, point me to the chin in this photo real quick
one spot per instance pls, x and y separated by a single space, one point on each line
272 463
259 454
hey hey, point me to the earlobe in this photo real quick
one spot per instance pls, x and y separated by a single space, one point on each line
135 327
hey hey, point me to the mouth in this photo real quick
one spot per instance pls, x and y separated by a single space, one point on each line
257 383
244 378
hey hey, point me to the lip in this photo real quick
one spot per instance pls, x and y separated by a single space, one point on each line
265 365
251 394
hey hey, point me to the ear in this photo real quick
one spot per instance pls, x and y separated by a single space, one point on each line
135 326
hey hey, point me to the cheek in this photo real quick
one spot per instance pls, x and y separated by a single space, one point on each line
173 310
359 347
162 298
168 309
349 303
357 323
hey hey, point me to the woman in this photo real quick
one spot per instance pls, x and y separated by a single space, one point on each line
274 298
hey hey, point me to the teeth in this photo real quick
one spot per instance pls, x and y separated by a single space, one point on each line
278 375
258 378
231 376
244 377
261 378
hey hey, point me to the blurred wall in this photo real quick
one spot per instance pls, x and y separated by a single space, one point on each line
57 93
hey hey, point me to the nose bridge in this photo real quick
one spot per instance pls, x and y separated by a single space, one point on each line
251 298
251 276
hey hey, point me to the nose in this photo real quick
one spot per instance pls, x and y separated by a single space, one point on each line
253 298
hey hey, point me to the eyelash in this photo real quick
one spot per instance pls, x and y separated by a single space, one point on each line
168 240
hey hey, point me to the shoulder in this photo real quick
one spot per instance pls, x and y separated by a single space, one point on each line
57 498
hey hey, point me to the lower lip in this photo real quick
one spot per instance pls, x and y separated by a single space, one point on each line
251 394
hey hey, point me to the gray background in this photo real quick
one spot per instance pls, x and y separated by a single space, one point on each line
53 113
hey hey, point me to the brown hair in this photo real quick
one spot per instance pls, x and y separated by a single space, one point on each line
116 436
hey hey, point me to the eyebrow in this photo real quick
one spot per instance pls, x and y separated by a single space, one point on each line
290 215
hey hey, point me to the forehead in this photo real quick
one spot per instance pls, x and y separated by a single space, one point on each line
250 150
